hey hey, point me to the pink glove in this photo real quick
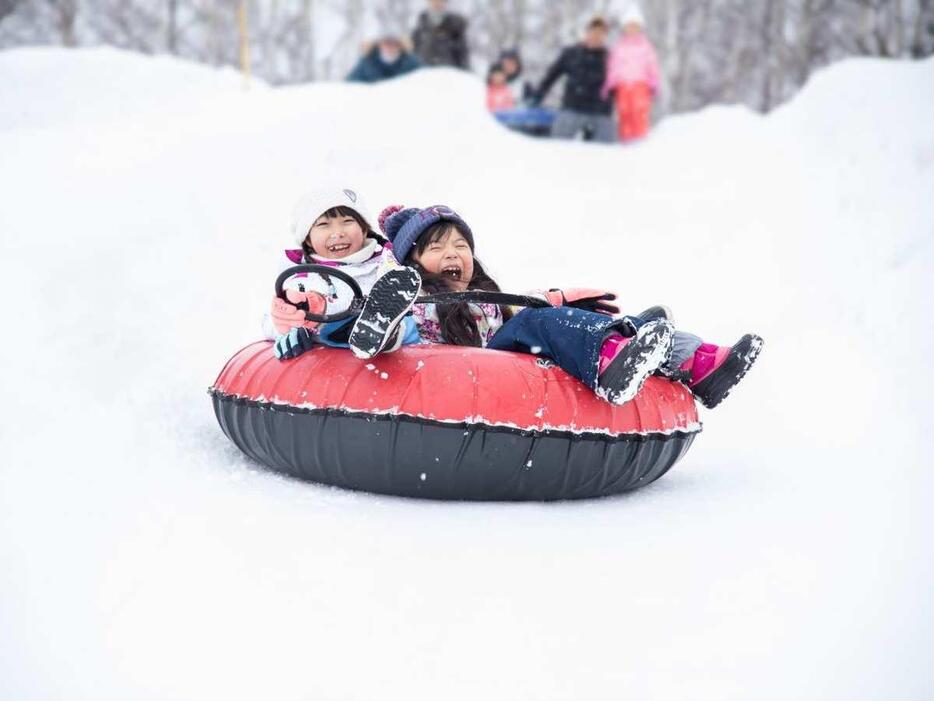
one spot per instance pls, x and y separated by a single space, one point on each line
583 298
287 316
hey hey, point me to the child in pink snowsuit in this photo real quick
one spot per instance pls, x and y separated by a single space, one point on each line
499 95
632 72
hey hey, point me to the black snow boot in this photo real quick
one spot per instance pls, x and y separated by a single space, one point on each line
715 387
635 359
386 305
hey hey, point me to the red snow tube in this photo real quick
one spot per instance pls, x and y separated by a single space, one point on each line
446 422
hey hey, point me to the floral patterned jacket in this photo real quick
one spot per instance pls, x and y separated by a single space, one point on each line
489 319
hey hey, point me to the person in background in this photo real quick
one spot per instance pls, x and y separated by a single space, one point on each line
632 73
388 58
584 108
511 62
498 94
440 37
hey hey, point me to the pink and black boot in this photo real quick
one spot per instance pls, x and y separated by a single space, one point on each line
715 370
625 363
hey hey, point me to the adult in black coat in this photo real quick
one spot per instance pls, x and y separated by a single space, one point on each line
583 109
440 37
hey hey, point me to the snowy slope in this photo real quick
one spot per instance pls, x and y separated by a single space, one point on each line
145 558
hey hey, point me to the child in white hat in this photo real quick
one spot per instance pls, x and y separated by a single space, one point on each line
330 227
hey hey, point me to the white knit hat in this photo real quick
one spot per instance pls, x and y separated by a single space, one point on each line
313 204
633 15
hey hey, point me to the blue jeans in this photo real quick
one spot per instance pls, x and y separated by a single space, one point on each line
337 333
569 337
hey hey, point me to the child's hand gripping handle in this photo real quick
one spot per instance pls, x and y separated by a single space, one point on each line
308 309
290 313
599 301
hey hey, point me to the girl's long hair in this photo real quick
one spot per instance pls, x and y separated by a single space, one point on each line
458 326
333 213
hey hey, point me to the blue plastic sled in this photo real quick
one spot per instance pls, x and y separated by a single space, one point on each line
534 121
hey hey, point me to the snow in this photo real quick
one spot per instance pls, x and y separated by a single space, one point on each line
146 558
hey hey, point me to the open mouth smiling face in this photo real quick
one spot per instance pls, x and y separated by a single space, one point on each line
337 248
336 237
454 271
450 256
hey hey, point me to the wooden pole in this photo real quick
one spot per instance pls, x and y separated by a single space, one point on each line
244 43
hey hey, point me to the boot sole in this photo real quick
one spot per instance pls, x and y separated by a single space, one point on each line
714 389
659 311
387 303
624 377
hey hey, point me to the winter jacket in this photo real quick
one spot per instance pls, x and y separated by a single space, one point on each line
364 266
441 42
632 60
586 72
371 68
499 97
489 318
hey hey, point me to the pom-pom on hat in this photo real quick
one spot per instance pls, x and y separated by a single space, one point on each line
403 225
315 203
386 213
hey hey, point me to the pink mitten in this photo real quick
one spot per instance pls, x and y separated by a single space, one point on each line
287 315
583 298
